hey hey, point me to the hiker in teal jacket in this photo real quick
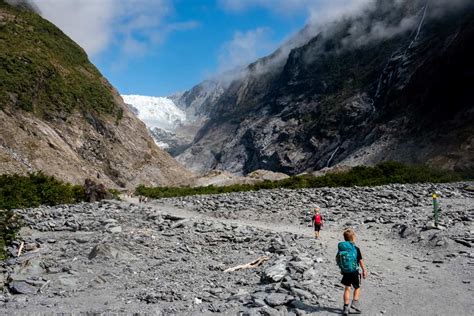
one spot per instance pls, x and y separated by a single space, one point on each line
349 258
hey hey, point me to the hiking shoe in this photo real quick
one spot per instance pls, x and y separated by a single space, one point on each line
345 310
355 307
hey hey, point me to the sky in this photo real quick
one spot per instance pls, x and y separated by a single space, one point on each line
159 47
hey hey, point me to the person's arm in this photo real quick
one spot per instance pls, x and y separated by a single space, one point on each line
364 270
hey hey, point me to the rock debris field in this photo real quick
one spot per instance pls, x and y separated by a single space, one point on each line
171 256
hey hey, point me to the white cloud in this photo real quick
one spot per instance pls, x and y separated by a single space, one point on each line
245 47
130 25
281 6
330 10
87 22
316 9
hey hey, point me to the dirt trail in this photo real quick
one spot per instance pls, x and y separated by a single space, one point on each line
400 281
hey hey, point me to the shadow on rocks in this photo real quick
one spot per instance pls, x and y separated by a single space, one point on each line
314 309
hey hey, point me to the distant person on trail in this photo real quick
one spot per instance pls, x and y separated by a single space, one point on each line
349 258
317 222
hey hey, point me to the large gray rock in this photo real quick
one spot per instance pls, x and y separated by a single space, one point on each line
276 272
278 299
108 252
22 287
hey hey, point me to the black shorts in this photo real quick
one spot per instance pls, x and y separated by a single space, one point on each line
353 279
317 228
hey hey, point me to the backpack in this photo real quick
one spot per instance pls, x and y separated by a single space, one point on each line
347 257
317 219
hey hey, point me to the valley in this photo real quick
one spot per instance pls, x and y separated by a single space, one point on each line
169 256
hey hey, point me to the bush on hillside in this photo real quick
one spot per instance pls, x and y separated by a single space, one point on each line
36 189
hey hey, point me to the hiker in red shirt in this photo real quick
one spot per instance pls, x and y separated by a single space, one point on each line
317 222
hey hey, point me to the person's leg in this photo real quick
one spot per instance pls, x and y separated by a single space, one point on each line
347 295
347 298
356 294
355 306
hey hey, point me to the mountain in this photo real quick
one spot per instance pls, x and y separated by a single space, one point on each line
61 116
390 83
173 128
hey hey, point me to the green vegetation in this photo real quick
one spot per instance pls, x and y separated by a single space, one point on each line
384 173
43 71
36 189
115 194
10 223
30 191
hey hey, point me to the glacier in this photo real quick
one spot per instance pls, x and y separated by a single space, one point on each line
156 112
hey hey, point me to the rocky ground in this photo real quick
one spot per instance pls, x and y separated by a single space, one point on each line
170 256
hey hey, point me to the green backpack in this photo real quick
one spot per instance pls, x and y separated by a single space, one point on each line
347 257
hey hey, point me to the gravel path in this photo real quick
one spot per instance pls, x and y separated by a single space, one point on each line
401 281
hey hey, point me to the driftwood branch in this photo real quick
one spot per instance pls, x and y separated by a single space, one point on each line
44 285
250 265
20 249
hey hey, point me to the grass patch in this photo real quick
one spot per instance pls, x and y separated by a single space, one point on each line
384 173
30 191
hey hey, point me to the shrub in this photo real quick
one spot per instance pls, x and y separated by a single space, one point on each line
384 173
10 223
30 191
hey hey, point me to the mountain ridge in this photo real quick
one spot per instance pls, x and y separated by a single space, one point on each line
366 89
61 116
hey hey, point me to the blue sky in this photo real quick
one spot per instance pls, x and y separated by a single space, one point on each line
158 47
186 57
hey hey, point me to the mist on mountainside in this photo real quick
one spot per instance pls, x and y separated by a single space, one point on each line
362 88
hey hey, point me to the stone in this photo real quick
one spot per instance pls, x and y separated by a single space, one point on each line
116 229
310 274
95 192
277 299
469 188
82 240
406 231
276 272
302 293
258 302
22 287
301 264
180 223
108 252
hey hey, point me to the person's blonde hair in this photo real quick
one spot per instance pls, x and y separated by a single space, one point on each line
349 234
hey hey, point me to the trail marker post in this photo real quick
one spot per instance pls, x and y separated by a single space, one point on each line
435 209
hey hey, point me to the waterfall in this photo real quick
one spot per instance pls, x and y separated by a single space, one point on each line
418 30
332 156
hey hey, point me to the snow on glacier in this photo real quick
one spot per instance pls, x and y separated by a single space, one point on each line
158 112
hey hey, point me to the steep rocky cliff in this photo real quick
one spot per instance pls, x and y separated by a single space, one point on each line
58 114
392 83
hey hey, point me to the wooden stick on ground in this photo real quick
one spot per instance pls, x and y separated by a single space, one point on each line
250 265
20 249
43 286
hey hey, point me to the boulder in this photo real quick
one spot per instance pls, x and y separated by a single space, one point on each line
109 252
95 192
22 287
276 272
278 299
